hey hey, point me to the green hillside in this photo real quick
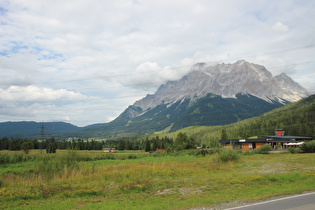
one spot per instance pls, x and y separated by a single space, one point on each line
296 119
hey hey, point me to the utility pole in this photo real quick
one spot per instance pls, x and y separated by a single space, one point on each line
42 137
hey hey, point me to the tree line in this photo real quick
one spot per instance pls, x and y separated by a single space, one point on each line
181 142
16 144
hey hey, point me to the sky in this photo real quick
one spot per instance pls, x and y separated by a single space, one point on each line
85 61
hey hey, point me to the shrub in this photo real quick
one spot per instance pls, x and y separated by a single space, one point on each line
4 158
264 149
51 148
207 152
228 155
26 146
202 152
132 156
293 150
108 157
308 147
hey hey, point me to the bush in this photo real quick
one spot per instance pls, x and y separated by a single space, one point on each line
293 150
264 149
308 147
207 152
108 157
51 148
4 158
132 156
228 155
27 146
202 152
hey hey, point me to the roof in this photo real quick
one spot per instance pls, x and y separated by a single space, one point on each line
266 139
286 138
242 141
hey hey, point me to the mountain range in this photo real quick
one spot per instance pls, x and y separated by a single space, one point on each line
208 95
225 80
30 129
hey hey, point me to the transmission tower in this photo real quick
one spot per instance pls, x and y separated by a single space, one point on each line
42 134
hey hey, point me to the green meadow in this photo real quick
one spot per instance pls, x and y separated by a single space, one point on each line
136 179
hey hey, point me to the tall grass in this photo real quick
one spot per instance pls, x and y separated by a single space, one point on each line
52 166
15 158
164 181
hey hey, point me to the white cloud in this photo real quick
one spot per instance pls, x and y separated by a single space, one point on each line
278 26
34 103
35 94
80 59
150 75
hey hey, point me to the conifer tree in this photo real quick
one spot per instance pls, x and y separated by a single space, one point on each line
147 146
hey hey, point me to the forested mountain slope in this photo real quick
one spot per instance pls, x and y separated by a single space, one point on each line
210 110
297 118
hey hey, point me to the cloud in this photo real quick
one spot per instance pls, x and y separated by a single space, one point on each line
307 81
33 94
278 26
87 61
150 75
35 103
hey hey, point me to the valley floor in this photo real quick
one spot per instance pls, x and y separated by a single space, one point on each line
133 180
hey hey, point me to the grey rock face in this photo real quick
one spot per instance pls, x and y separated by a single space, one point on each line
226 80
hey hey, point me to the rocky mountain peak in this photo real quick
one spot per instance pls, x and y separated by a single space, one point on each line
283 76
226 80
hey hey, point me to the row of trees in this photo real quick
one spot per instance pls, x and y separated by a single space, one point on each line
16 144
145 144
181 142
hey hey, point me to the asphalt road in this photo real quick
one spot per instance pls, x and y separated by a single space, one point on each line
297 202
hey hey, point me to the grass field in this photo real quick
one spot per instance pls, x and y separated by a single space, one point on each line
133 180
